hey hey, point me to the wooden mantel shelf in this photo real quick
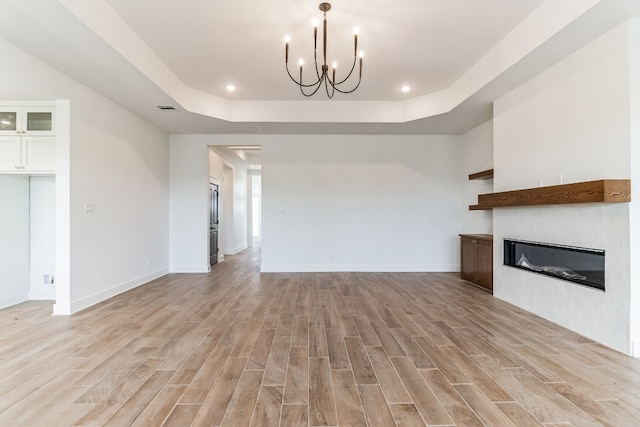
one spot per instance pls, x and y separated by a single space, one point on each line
600 191
488 174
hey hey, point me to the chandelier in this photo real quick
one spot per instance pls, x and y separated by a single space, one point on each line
331 85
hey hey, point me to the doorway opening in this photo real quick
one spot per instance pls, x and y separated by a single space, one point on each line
256 209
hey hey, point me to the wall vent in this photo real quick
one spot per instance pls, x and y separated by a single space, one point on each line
167 107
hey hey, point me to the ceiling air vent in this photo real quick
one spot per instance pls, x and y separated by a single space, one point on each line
167 107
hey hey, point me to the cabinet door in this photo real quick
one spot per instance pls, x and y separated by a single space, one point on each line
39 153
485 264
10 153
10 123
468 259
38 121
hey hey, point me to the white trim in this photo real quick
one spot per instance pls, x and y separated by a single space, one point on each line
190 268
266 268
235 250
90 300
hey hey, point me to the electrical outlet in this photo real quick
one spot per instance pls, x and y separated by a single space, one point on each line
48 279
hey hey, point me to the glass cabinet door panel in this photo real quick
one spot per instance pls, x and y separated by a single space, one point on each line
39 121
8 121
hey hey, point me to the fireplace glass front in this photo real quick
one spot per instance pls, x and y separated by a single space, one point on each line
578 265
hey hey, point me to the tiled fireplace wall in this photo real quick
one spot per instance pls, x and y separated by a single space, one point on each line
570 123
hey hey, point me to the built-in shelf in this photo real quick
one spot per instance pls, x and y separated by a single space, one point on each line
488 174
600 191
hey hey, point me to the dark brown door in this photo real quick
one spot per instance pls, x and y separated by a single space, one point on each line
213 224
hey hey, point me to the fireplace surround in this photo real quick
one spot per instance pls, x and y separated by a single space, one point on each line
574 264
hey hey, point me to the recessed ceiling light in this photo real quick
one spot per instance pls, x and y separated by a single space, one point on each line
231 87
405 88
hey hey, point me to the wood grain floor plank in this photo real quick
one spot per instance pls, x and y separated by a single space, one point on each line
423 397
337 351
206 376
348 404
366 331
102 411
482 406
182 415
260 352
295 416
276 369
138 402
388 341
376 409
217 401
484 382
360 364
454 374
322 407
300 336
544 411
317 340
391 383
454 404
242 404
296 389
268 407
412 350
406 415
158 409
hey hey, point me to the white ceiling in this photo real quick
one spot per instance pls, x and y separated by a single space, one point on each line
457 55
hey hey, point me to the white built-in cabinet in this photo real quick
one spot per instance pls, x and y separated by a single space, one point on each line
27 139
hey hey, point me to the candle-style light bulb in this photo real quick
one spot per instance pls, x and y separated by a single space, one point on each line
355 41
315 34
286 49
334 65
361 55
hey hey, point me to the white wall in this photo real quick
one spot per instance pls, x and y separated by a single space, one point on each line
634 159
240 211
42 236
192 166
339 202
14 239
119 164
478 156
361 203
227 206
570 123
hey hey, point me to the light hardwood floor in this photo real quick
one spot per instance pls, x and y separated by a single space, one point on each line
237 348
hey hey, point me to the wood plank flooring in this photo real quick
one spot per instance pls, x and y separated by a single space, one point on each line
239 348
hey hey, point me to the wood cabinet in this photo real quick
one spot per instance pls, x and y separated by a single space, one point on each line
476 259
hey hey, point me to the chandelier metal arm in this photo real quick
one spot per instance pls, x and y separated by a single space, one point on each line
299 83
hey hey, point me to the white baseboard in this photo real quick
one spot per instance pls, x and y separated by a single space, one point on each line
90 300
267 268
190 268
234 251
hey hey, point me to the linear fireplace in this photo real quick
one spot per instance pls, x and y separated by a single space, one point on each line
578 265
